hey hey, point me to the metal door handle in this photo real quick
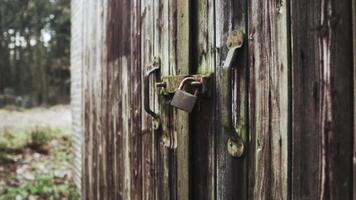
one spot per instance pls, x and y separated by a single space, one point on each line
154 70
235 144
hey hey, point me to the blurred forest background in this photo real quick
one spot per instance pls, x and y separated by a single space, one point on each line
34 52
36 144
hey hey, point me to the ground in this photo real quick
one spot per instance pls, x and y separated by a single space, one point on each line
35 154
55 117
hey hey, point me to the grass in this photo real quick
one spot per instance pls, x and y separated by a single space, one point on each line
12 108
3 156
13 141
45 140
44 187
38 137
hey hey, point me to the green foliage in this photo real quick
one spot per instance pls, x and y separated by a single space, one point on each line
62 156
12 141
12 108
35 48
44 186
42 135
3 155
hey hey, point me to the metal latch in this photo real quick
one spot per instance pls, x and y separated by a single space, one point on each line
170 84
235 144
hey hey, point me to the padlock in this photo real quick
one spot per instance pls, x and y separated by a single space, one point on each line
184 100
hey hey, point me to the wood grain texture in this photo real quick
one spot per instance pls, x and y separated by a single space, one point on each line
292 96
354 89
181 54
92 91
322 135
172 36
161 48
202 132
268 99
112 90
231 173
149 152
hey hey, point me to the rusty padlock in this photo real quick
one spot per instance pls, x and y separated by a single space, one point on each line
184 100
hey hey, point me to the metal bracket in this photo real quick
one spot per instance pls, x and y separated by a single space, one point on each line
235 144
170 84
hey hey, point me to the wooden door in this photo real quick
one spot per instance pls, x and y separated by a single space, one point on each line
291 99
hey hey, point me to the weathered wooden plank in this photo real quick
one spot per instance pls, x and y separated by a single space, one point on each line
162 35
354 86
112 91
202 134
92 97
181 56
136 101
172 36
119 45
268 99
100 59
231 173
322 135
148 136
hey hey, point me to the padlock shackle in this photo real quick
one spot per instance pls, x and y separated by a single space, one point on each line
181 85
184 81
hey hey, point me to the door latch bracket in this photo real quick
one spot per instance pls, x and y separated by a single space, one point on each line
235 143
170 84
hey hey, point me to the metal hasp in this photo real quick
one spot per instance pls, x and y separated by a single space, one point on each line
235 144
155 69
170 84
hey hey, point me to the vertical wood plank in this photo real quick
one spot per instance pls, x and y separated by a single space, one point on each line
162 41
181 44
113 122
135 103
354 86
202 134
92 60
119 50
231 173
322 97
148 156
268 99
173 36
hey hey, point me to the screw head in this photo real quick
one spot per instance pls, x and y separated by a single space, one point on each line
235 147
235 39
156 124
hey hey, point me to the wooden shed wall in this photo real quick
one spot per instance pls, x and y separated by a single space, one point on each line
299 74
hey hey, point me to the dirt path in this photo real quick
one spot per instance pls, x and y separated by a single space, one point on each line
55 117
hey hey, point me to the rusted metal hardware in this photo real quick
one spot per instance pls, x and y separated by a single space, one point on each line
155 69
235 144
184 100
170 84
